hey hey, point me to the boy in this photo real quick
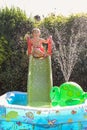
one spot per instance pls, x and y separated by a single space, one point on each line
35 46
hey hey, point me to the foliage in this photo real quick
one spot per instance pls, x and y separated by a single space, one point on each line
14 24
4 50
13 59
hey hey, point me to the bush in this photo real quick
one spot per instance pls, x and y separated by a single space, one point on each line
14 61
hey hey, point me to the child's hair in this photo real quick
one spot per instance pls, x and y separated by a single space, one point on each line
35 30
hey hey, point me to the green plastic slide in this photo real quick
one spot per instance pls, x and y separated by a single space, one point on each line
39 82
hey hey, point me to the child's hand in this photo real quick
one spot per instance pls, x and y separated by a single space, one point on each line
50 37
26 36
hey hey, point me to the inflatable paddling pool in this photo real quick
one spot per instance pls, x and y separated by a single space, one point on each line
15 115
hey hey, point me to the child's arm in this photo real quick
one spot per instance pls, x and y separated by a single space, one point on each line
46 41
29 44
43 41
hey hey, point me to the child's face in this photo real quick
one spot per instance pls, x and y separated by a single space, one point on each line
36 33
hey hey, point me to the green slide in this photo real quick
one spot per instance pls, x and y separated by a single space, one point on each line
39 82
